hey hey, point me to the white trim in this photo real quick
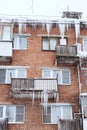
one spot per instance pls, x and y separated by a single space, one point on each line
14 67
21 34
46 35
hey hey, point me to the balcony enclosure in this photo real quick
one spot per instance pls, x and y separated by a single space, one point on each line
24 88
5 51
66 54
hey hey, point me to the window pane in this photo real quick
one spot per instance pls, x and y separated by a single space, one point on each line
85 45
2 76
45 44
62 41
19 113
55 114
53 42
6 33
1 111
16 43
21 73
46 74
23 42
10 112
10 74
67 112
57 74
65 77
47 115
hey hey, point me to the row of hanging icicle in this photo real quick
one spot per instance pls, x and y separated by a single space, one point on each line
61 25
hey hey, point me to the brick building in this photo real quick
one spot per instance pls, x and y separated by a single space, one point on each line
43 72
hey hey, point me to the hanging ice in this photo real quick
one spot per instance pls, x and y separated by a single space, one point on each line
24 27
77 29
44 99
62 29
33 96
48 27
20 27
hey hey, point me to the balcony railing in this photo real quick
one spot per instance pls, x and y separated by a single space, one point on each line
66 50
25 86
66 54
5 51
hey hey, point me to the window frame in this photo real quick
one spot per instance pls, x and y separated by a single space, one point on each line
84 49
61 107
18 38
2 31
58 42
49 43
60 75
16 72
14 116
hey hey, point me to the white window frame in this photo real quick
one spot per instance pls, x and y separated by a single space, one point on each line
84 49
14 116
60 75
18 36
15 73
49 43
2 31
61 113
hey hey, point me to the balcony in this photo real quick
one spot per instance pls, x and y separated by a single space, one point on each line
66 54
24 88
5 51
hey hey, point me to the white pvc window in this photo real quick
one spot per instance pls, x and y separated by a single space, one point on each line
20 42
49 43
56 112
63 75
14 113
85 44
7 74
5 32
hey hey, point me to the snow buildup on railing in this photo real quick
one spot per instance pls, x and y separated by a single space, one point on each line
77 28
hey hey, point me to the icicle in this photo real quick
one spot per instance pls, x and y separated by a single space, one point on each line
77 29
48 27
24 27
20 27
44 99
33 96
67 27
62 29
43 26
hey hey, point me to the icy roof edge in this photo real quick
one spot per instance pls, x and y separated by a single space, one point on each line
40 19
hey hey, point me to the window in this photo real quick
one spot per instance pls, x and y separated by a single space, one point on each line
85 44
20 42
49 43
55 112
5 32
63 75
15 113
7 74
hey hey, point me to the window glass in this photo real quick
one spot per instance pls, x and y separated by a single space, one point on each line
2 75
65 77
19 114
6 33
45 44
10 73
1 111
85 44
21 73
23 42
10 113
67 112
53 42
47 115
46 74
